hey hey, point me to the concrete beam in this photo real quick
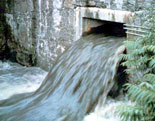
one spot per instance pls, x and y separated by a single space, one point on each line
94 13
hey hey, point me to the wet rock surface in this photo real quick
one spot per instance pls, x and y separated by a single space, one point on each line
2 40
2 33
12 45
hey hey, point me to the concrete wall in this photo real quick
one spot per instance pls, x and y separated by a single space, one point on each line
44 28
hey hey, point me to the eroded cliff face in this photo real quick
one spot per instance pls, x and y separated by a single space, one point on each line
42 29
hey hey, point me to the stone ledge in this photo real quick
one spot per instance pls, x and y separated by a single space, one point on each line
100 14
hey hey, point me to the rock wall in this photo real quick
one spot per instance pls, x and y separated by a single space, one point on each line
55 30
2 31
16 33
5 33
2 36
129 5
43 29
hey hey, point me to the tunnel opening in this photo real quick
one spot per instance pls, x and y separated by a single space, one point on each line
108 28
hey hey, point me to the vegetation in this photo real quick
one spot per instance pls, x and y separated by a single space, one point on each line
141 58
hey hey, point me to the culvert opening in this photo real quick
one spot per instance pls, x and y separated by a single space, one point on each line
108 28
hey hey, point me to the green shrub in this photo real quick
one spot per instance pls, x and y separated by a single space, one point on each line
141 57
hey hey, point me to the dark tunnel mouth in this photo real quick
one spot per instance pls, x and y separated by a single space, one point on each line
108 28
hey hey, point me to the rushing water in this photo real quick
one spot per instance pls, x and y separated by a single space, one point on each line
81 78
15 79
108 111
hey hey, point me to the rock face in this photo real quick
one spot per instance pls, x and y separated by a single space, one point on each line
2 35
42 29
12 40
2 39
130 5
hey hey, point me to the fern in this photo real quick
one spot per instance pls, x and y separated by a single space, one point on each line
141 57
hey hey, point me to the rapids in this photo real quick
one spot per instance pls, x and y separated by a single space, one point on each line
80 79
16 79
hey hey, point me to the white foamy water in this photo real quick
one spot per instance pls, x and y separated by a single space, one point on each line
16 79
107 112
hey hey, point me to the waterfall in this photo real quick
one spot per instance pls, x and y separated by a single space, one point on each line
80 79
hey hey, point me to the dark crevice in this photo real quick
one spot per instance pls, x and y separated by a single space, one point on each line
120 79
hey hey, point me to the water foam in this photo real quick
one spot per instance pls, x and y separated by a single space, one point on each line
16 79
107 111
